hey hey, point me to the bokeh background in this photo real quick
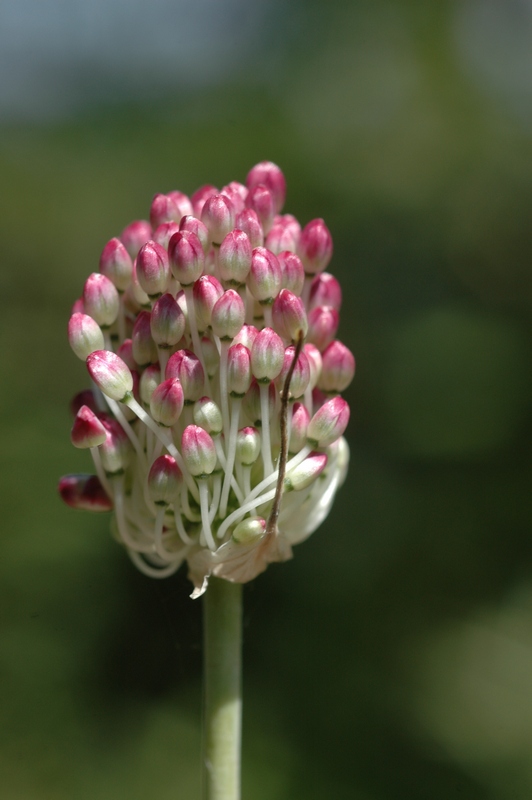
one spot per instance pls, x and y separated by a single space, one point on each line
392 658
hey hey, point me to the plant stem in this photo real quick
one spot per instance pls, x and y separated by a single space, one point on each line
222 690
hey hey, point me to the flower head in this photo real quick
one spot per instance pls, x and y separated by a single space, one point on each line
215 419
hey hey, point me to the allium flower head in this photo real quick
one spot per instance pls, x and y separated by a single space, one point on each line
215 420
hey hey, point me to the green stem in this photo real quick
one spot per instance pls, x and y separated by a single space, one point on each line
222 690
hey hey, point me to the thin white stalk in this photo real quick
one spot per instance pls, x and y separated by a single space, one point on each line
205 522
231 453
243 510
266 447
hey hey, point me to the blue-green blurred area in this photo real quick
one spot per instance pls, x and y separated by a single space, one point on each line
393 657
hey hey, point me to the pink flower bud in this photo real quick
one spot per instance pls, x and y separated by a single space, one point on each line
302 476
144 348
289 222
281 237
246 336
183 203
300 376
323 323
328 423
315 246
269 174
251 403
83 398
149 381
338 369
153 269
84 335
199 452
100 299
249 530
186 367
236 193
289 317
315 362
238 370
167 322
139 295
234 258
292 272
218 215
249 222
248 446
164 208
110 374
208 416
261 200
196 226
116 264
264 280
200 196
298 429
84 492
78 307
187 258
115 451
125 351
207 290
164 232
325 291
164 480
228 315
267 355
87 430
135 235
211 357
166 402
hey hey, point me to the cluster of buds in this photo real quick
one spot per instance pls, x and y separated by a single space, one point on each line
215 417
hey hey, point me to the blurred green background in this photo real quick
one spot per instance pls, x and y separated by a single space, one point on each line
392 658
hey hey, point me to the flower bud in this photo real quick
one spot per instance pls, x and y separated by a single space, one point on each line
83 398
100 299
325 291
218 215
252 406
167 322
166 402
234 258
183 203
78 307
323 323
153 269
196 226
186 366
228 315
246 336
84 335
235 192
264 279
267 356
116 264
270 175
208 416
248 222
300 376
164 232
305 473
84 492
260 199
139 295
281 238
164 480
328 423
135 235
200 197
338 368
315 246
315 362
298 428
164 208
211 357
289 317
249 530
125 351
207 290
248 446
87 430
238 370
292 272
149 381
144 349
199 452
110 374
115 451
187 258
